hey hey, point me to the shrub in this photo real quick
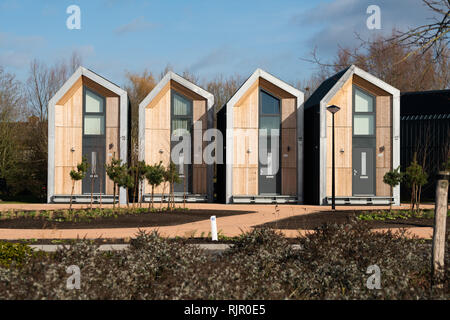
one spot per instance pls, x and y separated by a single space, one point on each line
416 177
13 253
328 264
393 179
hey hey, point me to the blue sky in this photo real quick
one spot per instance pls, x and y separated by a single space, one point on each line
205 37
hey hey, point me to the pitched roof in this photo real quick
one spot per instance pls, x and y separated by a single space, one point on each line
179 79
330 86
82 71
323 89
259 73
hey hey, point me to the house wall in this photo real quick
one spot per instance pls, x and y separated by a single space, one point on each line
245 127
343 137
68 134
157 134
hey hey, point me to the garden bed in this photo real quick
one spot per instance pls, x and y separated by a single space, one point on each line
107 218
328 264
374 219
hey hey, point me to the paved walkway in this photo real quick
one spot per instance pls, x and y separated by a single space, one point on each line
209 247
228 226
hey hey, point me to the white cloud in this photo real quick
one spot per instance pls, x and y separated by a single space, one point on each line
10 5
138 24
8 40
11 58
216 57
337 22
15 50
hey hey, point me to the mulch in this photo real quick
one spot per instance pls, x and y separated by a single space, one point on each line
153 219
317 219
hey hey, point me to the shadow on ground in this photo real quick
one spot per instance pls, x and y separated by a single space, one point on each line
317 219
152 219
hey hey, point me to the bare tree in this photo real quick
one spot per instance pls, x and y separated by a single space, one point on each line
11 111
138 87
309 85
223 88
42 84
190 76
385 60
166 69
44 81
434 35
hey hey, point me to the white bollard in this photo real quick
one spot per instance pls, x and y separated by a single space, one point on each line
213 228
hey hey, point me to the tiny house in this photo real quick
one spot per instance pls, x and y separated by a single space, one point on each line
177 108
87 117
367 139
262 126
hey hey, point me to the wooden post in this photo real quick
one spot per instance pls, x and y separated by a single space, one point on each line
440 219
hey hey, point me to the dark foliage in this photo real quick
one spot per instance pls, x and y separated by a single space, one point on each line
329 264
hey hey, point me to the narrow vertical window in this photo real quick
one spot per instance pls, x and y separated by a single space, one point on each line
364 114
94 114
363 164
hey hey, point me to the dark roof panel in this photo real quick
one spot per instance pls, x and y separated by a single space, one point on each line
323 89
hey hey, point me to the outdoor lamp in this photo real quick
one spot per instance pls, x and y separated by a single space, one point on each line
333 109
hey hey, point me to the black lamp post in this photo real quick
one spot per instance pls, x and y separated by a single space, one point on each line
333 109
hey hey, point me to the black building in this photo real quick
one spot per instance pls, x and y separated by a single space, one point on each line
424 131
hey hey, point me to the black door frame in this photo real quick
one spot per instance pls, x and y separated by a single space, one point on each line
88 139
278 190
365 141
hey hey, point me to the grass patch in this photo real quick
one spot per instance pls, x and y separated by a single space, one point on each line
79 215
385 215
15 254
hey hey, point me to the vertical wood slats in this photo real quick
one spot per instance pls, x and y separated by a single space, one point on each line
343 136
246 125
157 134
68 134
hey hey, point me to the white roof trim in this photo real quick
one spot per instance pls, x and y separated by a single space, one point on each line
363 74
266 76
395 123
81 71
185 83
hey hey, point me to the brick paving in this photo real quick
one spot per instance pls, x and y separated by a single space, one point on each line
229 226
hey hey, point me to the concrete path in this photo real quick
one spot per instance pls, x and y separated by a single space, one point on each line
229 226
210 247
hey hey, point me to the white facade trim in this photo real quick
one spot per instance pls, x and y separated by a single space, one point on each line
123 96
395 125
152 95
259 73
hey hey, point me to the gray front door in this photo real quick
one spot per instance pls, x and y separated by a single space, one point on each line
364 142
95 177
363 171
94 141
269 177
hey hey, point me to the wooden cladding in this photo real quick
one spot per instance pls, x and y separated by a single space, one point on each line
68 134
344 137
246 135
157 133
